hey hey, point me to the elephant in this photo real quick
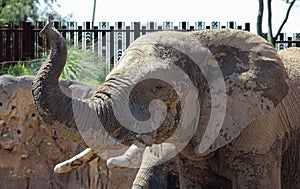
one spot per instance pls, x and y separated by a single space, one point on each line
218 102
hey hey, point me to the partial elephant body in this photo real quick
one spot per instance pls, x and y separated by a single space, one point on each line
267 152
290 116
235 78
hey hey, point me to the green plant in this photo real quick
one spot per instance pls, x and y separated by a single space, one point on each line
18 69
34 65
84 66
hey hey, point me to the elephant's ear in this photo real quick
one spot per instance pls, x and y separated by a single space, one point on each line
255 82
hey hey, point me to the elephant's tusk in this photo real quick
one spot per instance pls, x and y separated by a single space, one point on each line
131 158
75 162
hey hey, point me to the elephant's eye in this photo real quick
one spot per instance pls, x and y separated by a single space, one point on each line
158 87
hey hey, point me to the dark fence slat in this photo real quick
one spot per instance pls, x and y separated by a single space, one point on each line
88 35
16 48
247 26
64 33
28 42
111 49
127 36
1 46
8 50
80 36
143 30
137 30
95 38
119 48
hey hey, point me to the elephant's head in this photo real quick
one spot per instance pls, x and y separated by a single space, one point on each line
155 93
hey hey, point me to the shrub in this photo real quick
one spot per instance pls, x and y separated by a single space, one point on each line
84 66
18 69
81 66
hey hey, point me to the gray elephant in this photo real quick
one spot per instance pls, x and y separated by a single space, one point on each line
149 109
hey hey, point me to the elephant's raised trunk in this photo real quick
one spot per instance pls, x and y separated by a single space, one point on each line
58 55
68 115
53 105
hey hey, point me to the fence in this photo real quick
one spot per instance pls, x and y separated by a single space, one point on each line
108 42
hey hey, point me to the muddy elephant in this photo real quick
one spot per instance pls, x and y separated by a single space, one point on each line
210 100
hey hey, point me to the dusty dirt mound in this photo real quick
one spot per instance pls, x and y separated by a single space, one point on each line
29 150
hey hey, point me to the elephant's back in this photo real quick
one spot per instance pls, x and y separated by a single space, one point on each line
291 60
290 111
291 103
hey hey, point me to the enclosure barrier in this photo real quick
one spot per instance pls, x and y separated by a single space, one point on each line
22 43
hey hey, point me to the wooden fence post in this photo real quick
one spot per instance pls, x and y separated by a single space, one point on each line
137 30
1 46
28 48
8 50
16 44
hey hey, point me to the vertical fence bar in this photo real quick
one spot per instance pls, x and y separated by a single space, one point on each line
231 25
215 25
105 46
72 36
183 26
102 40
64 33
8 44
280 46
124 38
28 42
87 36
144 30
56 25
296 37
247 26
289 41
132 32
111 48
95 40
199 25
40 42
167 25
137 30
119 35
1 45
79 38
128 33
151 26
16 45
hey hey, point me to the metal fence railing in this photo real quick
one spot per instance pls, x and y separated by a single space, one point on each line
22 43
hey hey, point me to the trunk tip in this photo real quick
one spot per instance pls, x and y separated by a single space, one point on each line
48 26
